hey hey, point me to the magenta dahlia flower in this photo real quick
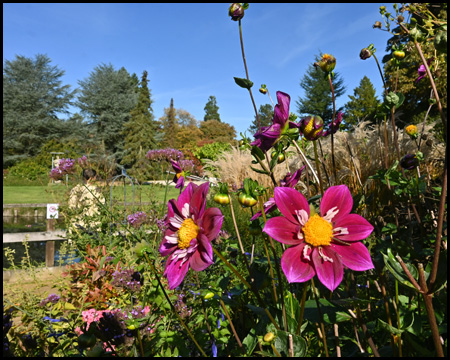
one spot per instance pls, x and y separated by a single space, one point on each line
320 244
269 135
190 230
178 179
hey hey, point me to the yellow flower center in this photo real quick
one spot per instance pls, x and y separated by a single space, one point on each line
318 231
180 174
188 231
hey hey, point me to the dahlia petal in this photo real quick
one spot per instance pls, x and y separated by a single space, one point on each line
330 273
175 272
203 257
289 200
282 230
336 196
198 200
176 166
281 111
167 247
357 227
295 267
212 222
180 183
185 196
355 257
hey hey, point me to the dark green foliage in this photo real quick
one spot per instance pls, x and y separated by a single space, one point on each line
139 132
211 109
169 125
362 104
33 96
318 98
265 115
107 98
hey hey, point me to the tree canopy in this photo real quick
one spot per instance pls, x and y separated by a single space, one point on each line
107 97
362 105
211 110
265 115
33 96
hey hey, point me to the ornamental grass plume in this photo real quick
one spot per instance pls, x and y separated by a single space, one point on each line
190 230
320 244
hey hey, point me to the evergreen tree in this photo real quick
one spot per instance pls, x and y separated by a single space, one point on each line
318 99
362 105
139 131
33 96
170 126
211 109
107 98
265 115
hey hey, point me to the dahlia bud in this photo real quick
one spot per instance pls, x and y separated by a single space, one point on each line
327 63
311 127
377 25
409 162
365 54
236 11
269 337
263 89
411 130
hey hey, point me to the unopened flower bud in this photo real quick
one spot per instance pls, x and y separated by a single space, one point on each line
409 162
429 143
377 25
424 137
311 127
327 63
236 11
269 337
263 91
365 54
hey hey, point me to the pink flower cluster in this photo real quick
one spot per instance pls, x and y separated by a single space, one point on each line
164 154
137 219
65 166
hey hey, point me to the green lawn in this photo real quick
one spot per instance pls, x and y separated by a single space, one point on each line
59 193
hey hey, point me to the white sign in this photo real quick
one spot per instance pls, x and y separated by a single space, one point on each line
52 211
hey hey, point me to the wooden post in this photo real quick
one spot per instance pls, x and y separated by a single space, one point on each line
50 245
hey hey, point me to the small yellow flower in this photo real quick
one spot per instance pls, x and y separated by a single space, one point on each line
411 130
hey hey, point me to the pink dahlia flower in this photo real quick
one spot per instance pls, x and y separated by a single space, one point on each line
320 244
269 135
190 230
178 179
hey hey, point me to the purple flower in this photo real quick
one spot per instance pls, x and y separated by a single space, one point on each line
179 175
137 219
409 162
288 181
127 279
320 245
190 230
52 298
164 154
422 71
82 161
65 166
269 135
336 124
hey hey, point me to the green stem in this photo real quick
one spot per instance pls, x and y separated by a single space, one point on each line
231 267
173 307
316 158
231 325
141 347
398 319
237 233
321 318
332 129
302 310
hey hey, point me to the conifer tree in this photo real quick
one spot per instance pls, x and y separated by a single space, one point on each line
211 109
362 105
33 96
139 132
318 98
170 126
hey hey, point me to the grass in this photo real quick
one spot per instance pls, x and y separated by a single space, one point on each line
59 193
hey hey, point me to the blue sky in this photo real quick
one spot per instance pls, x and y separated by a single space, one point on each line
192 51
